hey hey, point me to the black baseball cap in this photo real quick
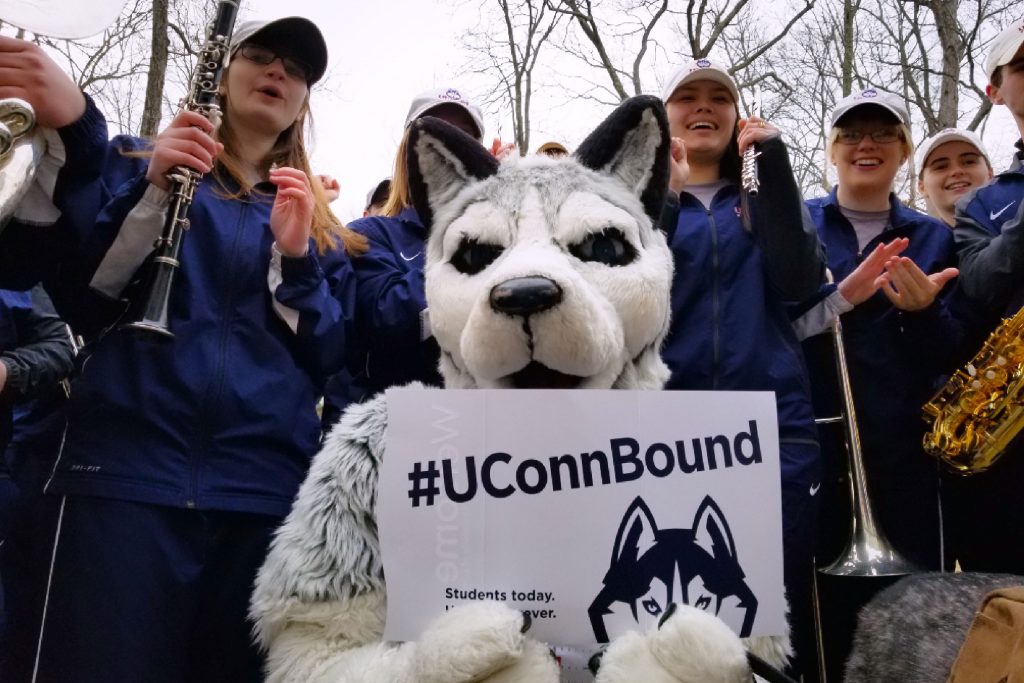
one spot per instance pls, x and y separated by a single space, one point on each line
300 36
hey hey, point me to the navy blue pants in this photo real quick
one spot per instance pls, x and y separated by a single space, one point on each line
799 529
8 502
138 592
799 511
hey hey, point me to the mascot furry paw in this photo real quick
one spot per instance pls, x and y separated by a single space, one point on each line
540 273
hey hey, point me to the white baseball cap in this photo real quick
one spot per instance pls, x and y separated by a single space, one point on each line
428 99
872 96
702 69
1004 47
949 135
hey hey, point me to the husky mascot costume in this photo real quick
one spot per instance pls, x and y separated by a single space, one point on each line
540 273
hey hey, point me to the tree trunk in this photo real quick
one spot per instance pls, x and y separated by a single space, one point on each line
952 46
849 10
153 107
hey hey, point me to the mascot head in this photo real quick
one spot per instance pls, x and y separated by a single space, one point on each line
547 273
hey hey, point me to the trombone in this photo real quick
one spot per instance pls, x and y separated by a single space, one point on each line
868 553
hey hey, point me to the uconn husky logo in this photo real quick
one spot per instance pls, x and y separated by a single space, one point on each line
652 568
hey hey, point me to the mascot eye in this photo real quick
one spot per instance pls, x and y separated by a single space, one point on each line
608 247
471 257
703 602
652 607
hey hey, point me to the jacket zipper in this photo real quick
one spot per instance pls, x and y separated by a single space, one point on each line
217 376
715 304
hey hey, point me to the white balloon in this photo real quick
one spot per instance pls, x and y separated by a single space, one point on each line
57 19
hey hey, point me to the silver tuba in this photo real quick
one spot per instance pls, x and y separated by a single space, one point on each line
20 153
21 148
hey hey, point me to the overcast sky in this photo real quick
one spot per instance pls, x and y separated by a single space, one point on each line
383 52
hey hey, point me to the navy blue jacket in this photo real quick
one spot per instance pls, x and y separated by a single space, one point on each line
392 344
730 327
36 349
990 238
222 417
896 359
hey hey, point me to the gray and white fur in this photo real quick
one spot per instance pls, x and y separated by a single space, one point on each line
912 631
319 600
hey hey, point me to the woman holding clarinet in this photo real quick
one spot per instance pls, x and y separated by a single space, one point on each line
182 455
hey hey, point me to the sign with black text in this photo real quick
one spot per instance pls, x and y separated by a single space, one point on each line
591 511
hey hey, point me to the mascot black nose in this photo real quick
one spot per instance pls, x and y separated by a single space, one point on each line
525 295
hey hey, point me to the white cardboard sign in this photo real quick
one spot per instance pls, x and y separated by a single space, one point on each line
581 508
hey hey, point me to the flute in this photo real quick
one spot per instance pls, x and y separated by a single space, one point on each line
748 172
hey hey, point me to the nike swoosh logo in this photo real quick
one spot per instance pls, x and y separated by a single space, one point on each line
409 258
996 214
814 488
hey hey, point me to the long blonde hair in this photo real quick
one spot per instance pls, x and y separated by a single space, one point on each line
289 150
399 198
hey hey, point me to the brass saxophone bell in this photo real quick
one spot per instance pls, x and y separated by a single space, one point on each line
980 411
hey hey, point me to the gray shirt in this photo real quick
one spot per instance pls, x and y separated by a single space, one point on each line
867 224
705 192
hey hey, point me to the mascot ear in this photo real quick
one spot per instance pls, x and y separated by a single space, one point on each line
441 160
633 145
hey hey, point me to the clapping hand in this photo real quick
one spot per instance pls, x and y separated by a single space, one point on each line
292 216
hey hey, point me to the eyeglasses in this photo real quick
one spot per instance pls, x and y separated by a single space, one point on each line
295 68
883 136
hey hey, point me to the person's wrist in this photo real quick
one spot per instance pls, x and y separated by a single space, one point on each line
292 251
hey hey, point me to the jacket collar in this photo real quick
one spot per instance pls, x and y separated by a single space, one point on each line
727 192
409 215
1017 165
899 213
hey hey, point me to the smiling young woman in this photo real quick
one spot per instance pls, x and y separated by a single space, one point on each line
730 330
950 164
892 264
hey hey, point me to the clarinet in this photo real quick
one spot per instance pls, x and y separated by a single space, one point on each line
151 312
749 182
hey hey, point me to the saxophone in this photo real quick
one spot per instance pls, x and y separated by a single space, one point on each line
149 314
980 411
